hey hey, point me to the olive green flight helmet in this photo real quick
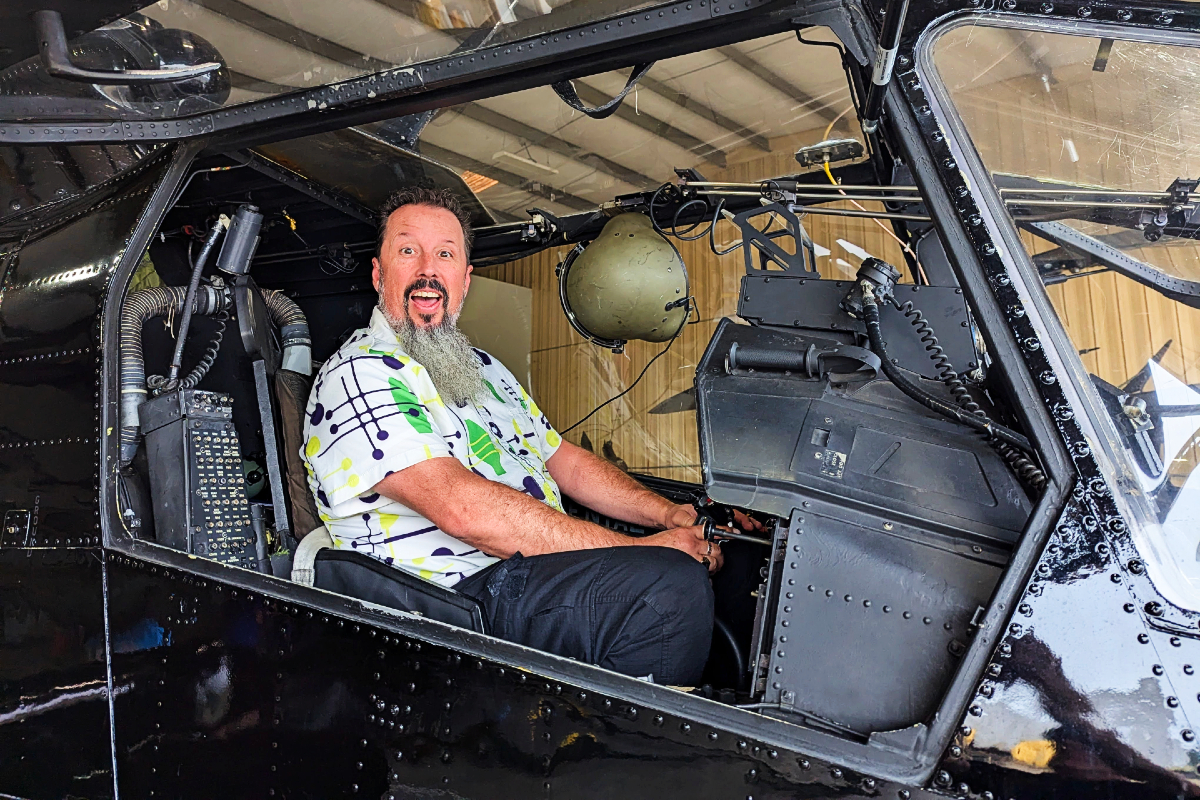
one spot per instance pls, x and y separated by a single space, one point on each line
630 283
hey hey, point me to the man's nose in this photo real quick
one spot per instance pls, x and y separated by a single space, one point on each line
427 266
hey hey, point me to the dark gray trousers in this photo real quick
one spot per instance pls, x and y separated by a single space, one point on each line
635 610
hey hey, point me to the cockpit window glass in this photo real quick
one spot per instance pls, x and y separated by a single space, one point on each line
273 47
1092 145
738 112
733 114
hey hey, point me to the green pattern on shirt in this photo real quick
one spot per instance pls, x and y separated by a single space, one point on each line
483 447
408 404
492 389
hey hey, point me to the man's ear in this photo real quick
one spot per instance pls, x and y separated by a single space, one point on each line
467 279
375 273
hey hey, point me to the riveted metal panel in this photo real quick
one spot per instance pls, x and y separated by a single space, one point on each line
240 693
54 723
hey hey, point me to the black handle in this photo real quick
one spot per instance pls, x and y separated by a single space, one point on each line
566 90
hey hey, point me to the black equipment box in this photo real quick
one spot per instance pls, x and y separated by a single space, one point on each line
196 476
901 523
768 437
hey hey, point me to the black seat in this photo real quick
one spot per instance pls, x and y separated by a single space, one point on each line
366 578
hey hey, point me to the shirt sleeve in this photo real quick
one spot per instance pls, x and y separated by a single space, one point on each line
369 417
548 439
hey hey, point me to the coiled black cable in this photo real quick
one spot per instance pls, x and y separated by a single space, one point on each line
1019 462
936 404
210 354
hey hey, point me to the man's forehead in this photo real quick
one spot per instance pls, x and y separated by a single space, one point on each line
414 220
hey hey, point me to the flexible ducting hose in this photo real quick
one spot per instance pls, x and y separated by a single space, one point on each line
146 304
293 331
935 404
140 306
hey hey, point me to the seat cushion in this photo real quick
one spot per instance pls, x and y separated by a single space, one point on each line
366 578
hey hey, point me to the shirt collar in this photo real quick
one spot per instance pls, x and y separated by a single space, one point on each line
381 329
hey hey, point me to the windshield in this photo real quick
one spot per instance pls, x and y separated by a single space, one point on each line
1093 145
272 47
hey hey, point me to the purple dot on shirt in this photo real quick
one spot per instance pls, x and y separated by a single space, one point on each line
377 454
354 544
333 428
317 413
389 472
394 363
324 498
530 485
443 551
369 498
328 415
482 356
382 435
366 517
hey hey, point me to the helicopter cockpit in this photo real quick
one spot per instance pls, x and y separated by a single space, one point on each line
810 359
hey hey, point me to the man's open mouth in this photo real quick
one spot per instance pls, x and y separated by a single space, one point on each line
425 297
425 301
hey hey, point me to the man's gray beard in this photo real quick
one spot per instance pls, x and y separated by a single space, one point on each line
445 352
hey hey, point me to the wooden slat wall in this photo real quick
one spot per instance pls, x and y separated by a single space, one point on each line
572 377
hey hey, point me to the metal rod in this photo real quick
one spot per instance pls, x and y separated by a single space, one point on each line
885 60
1084 204
828 187
859 197
1072 190
836 212
846 212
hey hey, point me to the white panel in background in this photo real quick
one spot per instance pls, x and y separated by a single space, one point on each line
498 317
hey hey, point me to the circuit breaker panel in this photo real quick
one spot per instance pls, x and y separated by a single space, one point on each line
196 476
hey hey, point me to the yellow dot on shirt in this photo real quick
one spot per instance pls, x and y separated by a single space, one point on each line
347 463
353 481
313 446
426 574
552 438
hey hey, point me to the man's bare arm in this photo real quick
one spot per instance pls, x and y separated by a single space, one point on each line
501 521
602 487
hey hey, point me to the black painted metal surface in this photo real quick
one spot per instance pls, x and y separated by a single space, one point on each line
54 732
230 684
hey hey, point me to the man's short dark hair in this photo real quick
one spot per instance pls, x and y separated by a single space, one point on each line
424 196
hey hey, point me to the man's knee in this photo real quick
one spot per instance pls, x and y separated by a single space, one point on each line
672 622
682 588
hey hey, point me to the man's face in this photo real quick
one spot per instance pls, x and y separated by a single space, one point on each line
422 265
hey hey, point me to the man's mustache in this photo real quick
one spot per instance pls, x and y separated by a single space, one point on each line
427 283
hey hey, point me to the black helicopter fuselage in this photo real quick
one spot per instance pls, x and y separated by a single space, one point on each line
131 669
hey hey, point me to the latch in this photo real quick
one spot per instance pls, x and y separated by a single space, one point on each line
17 528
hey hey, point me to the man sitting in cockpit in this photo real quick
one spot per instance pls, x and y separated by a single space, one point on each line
426 452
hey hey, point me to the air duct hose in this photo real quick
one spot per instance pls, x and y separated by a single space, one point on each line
146 304
293 331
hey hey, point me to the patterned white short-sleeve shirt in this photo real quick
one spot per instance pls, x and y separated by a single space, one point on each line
374 411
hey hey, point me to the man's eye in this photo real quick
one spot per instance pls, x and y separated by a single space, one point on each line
446 254
408 251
